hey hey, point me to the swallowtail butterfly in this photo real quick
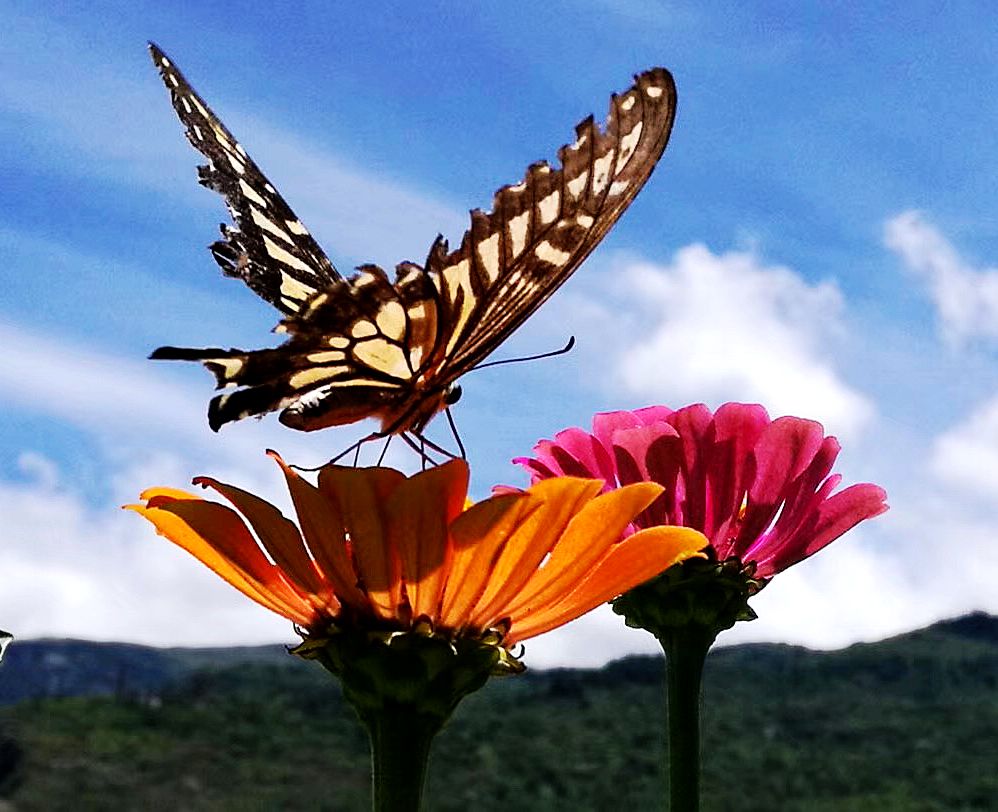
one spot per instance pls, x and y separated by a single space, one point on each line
366 346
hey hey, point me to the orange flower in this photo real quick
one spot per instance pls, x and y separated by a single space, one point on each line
380 551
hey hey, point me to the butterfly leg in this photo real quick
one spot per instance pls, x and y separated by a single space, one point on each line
355 447
381 457
426 442
419 448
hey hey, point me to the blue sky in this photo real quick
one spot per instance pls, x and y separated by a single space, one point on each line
821 236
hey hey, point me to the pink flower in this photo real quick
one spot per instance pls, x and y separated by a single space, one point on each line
759 489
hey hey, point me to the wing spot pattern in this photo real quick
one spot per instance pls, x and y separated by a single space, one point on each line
518 233
546 252
228 367
601 172
363 329
383 356
627 146
488 251
576 186
457 280
326 357
294 290
416 356
617 187
261 220
391 320
308 377
281 255
627 103
251 193
548 207
653 92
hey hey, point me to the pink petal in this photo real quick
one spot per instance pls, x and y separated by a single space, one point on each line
737 428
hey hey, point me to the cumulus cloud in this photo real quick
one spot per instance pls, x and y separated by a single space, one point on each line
716 327
965 457
77 570
965 295
133 408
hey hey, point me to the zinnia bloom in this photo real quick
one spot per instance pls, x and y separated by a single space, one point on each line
381 551
759 489
411 596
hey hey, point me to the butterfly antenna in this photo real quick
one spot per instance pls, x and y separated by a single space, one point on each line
453 429
552 354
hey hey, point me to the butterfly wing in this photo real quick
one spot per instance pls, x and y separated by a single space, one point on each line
541 229
269 248
354 352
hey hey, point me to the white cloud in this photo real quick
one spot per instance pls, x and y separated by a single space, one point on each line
71 569
965 296
966 456
712 328
135 410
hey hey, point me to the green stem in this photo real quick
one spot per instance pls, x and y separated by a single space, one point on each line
400 753
685 652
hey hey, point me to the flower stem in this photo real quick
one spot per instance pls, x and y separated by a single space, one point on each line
400 753
685 652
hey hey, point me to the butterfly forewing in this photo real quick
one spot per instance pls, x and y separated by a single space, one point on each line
269 248
541 229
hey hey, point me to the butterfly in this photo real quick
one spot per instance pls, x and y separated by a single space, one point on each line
370 347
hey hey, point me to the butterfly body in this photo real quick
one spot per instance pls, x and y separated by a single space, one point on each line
371 347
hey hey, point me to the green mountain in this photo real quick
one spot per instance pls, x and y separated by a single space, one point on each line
909 723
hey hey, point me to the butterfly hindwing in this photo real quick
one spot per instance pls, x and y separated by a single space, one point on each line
269 248
354 351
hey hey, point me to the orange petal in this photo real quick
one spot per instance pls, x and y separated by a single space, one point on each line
361 495
560 499
149 494
217 537
477 536
631 562
279 537
592 531
322 526
419 512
